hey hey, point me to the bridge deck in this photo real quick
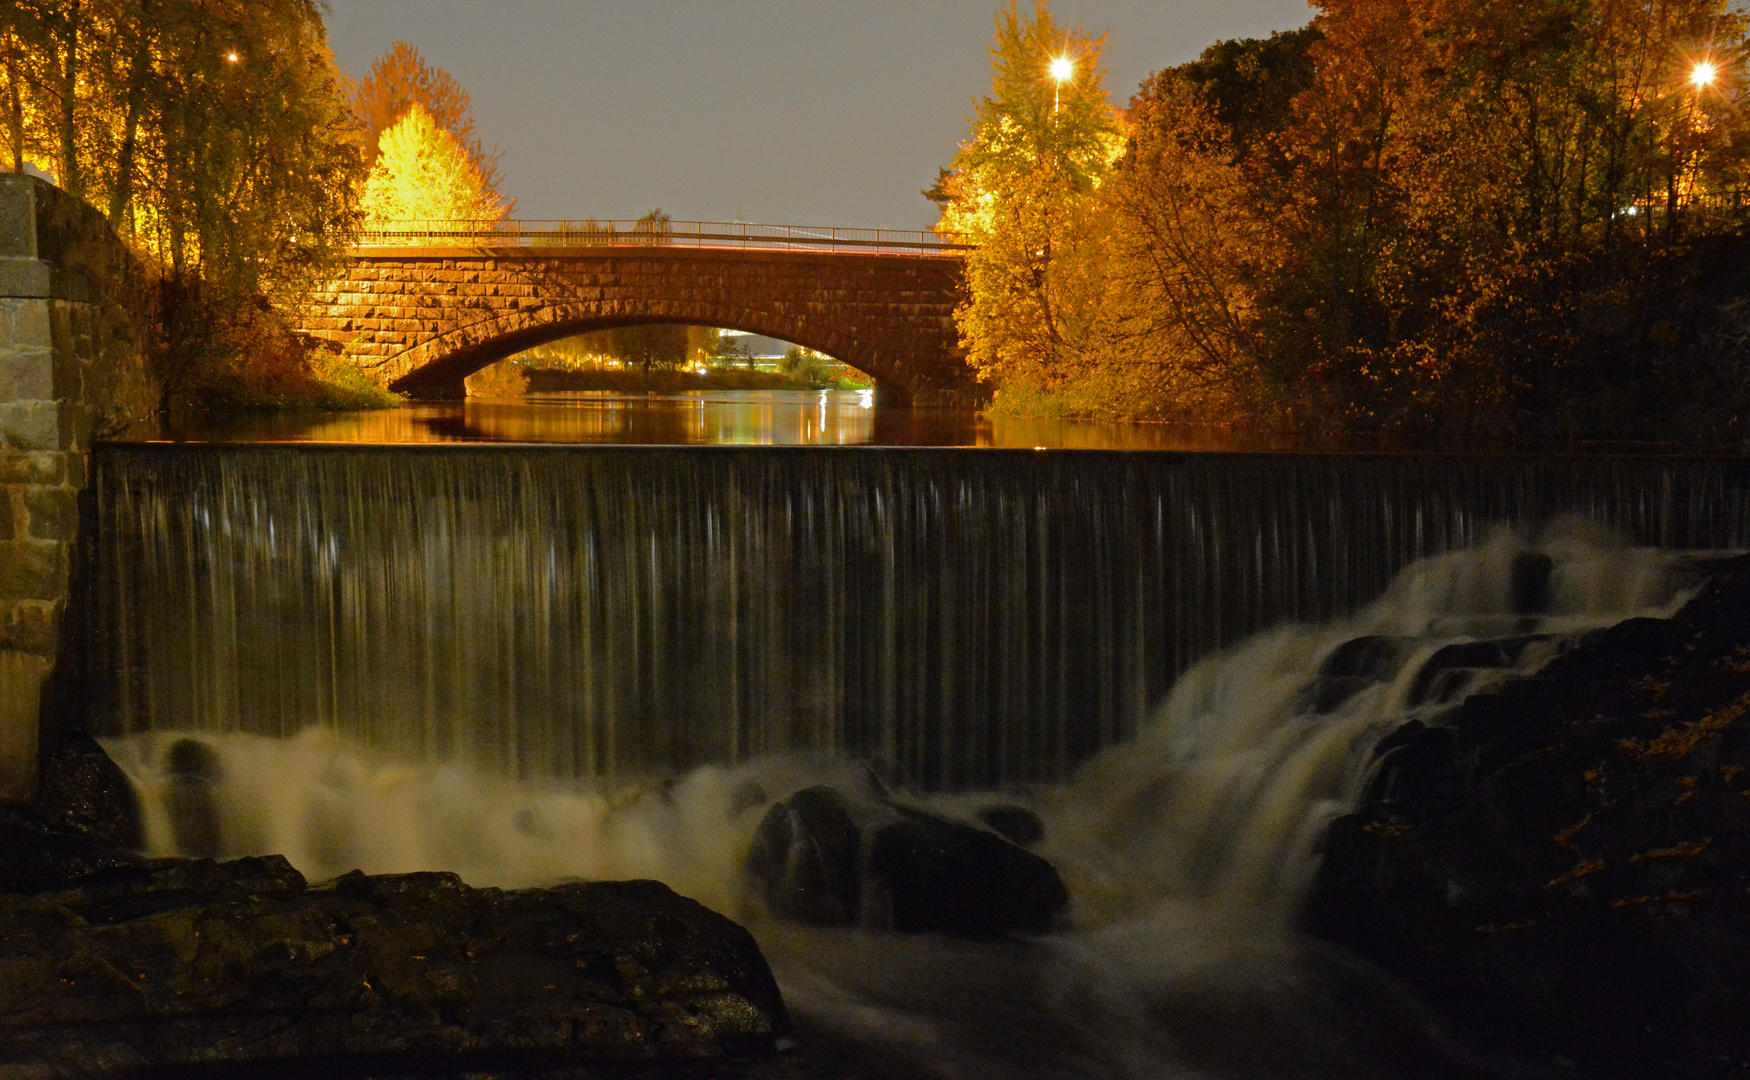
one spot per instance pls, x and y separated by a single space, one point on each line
736 235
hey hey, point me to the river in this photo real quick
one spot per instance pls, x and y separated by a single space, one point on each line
530 661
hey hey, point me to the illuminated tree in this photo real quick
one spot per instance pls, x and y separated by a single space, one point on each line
400 79
1021 188
424 173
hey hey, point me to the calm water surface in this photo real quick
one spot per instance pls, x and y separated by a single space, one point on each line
745 417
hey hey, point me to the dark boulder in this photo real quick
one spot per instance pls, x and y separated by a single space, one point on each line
1351 668
823 859
193 773
83 792
194 965
1566 860
806 859
1016 824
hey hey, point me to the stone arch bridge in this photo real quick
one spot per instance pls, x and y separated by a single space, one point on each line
423 308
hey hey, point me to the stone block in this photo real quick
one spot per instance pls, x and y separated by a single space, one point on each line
53 513
21 683
31 626
30 425
21 467
29 323
27 375
33 570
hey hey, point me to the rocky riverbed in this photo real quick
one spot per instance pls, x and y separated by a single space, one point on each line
1565 863
114 965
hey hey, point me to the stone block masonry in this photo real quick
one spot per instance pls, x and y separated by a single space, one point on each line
71 368
422 319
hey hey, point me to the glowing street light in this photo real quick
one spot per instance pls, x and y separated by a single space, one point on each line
1063 69
231 58
1703 74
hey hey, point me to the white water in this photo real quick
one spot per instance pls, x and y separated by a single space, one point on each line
1186 851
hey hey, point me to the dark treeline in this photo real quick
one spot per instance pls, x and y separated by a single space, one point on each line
1452 218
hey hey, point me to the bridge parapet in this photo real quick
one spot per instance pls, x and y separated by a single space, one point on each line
740 235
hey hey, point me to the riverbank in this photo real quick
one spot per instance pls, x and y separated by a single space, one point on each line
633 381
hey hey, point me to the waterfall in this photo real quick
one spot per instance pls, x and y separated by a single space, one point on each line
1186 848
962 619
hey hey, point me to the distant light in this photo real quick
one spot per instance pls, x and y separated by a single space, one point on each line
1063 69
1702 75
231 58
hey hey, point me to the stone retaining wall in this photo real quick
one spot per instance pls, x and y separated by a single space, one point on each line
71 367
422 319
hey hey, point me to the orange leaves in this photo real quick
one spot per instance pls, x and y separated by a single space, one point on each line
424 173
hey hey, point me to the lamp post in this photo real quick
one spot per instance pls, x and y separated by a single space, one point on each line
1063 69
1702 76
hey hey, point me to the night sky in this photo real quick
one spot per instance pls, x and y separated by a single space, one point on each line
781 111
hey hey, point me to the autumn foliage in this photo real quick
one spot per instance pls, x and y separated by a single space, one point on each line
1430 216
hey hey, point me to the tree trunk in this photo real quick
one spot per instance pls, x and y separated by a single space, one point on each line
71 181
121 193
14 103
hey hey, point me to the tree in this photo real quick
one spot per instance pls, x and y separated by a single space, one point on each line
400 79
214 135
423 173
1020 188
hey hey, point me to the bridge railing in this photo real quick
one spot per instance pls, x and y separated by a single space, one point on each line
692 234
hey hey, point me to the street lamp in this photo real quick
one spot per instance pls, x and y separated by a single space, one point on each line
1063 69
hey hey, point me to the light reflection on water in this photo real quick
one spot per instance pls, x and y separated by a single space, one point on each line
696 418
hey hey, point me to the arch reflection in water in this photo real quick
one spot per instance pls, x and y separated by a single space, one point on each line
701 418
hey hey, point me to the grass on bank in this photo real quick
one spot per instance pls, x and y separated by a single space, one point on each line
315 381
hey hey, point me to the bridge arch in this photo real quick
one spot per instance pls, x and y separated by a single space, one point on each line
422 319
444 360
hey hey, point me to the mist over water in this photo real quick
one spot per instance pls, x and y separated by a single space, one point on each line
1186 848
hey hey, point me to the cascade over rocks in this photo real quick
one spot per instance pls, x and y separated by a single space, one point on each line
824 859
1567 860
112 965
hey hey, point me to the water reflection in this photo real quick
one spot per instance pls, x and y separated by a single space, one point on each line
697 418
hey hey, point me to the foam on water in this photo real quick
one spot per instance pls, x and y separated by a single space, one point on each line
1186 849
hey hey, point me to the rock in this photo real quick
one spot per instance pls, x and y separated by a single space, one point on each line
83 792
822 859
197 965
193 770
1351 668
1016 824
806 859
1445 676
1566 861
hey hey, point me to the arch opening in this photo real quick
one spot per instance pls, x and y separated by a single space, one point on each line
636 342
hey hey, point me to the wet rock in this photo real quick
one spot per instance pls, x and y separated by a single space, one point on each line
1566 860
747 796
1529 582
83 792
1016 824
806 861
1351 668
821 858
193 770
1445 676
183 965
